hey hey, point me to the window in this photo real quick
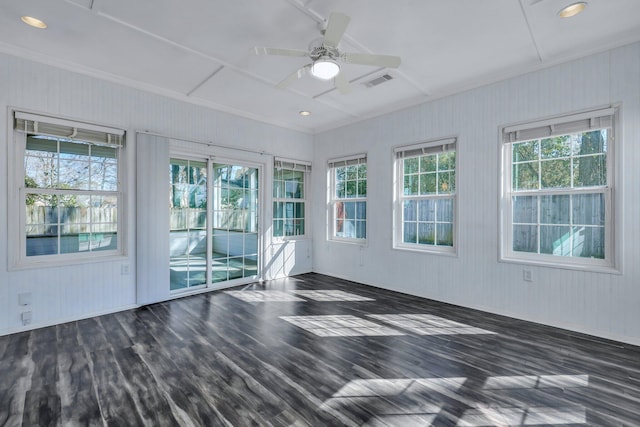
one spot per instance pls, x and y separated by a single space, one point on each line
348 199
289 182
68 190
558 182
426 196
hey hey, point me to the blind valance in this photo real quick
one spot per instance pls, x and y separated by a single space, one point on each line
73 131
583 122
432 147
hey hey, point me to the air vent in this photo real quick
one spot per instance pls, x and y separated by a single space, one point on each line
378 80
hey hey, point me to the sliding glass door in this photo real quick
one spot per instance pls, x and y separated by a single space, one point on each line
213 223
235 222
188 223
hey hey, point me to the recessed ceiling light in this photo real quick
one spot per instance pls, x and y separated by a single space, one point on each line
305 113
573 9
34 22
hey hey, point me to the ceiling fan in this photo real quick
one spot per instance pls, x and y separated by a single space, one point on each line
326 57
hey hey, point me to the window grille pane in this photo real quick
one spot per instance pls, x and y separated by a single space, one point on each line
444 235
426 234
277 227
447 161
446 182
525 151
104 175
525 176
293 190
362 171
525 209
555 209
428 163
351 172
360 210
409 210
352 189
410 232
411 165
555 240
556 173
362 188
411 185
445 210
428 183
525 238
588 242
361 229
427 210
588 209
554 148
590 171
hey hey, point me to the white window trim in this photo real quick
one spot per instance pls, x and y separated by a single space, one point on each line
415 150
16 242
561 125
331 180
293 164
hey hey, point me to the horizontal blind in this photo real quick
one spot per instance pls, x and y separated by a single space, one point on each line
281 163
584 122
432 147
346 161
60 128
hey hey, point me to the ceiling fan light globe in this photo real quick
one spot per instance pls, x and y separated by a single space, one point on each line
325 69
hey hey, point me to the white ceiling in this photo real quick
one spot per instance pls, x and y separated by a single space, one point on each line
201 50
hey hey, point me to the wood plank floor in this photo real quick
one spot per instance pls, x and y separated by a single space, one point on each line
314 350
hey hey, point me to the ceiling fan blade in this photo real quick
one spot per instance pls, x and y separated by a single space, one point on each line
279 52
369 59
299 73
336 26
342 83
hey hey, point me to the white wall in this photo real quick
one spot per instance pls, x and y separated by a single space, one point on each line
606 305
67 293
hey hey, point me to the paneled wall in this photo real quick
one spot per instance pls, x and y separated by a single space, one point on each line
602 304
606 305
66 293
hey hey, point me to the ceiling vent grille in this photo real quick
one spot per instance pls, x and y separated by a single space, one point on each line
378 80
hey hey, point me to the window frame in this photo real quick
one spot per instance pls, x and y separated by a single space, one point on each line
88 134
332 165
585 121
423 149
305 168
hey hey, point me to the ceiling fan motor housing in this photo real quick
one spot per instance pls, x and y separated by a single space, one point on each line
323 51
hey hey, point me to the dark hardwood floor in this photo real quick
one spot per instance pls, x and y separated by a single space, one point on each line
281 354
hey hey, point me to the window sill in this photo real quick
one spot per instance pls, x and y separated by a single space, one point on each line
31 265
291 239
354 242
592 268
431 250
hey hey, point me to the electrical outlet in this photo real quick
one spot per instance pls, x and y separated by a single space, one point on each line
124 269
24 298
527 275
26 317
